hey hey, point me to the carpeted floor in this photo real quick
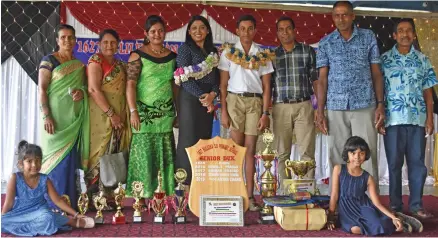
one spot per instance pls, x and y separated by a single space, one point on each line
251 228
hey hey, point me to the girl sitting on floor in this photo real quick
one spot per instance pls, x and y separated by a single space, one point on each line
357 213
26 211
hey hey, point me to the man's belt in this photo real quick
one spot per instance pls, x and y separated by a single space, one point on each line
298 100
250 95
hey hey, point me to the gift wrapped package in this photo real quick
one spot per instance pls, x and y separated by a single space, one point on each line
300 217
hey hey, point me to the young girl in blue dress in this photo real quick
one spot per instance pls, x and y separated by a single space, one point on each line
358 214
26 211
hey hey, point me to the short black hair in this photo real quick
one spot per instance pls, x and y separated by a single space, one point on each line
111 32
346 3
246 18
286 18
404 20
25 149
353 143
65 27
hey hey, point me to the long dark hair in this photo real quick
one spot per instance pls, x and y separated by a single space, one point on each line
208 42
150 21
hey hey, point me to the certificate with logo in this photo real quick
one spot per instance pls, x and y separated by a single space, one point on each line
221 211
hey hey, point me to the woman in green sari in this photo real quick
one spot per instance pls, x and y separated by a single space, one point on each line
64 109
150 94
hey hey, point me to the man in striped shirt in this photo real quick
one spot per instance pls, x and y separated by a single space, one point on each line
295 75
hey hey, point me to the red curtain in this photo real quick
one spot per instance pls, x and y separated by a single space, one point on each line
128 18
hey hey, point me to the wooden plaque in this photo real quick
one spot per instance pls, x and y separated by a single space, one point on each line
217 169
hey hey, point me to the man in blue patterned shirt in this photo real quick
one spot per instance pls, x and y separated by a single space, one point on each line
350 85
409 78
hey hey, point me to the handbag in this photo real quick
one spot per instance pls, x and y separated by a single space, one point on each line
113 166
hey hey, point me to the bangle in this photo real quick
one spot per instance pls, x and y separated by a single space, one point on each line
380 102
108 109
45 116
133 110
76 215
266 113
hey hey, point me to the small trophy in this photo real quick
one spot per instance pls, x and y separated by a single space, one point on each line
158 201
267 182
83 203
300 168
119 195
180 200
137 192
99 204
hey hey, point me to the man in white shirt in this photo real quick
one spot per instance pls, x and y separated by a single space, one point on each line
246 94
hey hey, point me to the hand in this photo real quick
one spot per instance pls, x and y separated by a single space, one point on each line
263 122
398 224
382 130
331 225
80 216
135 120
176 122
225 119
429 126
77 95
379 117
49 125
321 122
331 221
210 108
206 99
116 121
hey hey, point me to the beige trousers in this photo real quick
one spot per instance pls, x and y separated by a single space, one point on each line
289 119
344 124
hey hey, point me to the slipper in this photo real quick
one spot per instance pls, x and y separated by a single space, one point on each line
89 222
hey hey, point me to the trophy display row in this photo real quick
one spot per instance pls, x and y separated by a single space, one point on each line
158 203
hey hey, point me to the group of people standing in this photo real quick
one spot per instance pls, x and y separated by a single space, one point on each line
135 105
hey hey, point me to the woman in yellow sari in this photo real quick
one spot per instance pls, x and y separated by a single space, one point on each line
64 109
108 108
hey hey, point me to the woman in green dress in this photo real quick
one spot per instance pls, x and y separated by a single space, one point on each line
150 94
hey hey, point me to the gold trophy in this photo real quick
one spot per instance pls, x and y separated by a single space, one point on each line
300 169
99 203
158 203
267 184
180 200
83 203
137 192
119 195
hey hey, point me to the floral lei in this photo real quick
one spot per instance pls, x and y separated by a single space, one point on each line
197 71
248 62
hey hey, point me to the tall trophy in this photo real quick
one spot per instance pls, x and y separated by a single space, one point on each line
158 202
119 195
267 182
300 169
137 192
83 203
180 200
99 203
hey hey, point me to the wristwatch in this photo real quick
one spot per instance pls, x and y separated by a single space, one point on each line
266 113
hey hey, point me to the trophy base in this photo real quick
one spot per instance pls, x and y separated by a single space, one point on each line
98 220
119 220
137 219
180 220
158 220
266 219
299 185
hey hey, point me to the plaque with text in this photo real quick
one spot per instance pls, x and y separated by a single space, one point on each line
221 211
217 169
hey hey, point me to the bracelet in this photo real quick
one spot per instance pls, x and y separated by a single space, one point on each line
45 116
110 112
76 215
108 109
266 113
43 106
380 102
133 110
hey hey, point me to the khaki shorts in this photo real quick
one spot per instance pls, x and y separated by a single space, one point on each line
245 113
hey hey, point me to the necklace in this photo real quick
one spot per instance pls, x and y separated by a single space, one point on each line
158 52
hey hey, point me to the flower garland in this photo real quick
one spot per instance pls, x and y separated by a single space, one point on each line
239 57
197 71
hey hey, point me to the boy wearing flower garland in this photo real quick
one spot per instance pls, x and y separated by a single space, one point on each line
245 88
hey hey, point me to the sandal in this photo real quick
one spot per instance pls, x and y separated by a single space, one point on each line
89 222
422 214
416 225
253 206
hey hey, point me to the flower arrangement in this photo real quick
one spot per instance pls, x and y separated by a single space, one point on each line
197 71
246 61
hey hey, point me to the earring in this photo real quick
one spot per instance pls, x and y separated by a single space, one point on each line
146 40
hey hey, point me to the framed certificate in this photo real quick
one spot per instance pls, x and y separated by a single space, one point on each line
221 211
